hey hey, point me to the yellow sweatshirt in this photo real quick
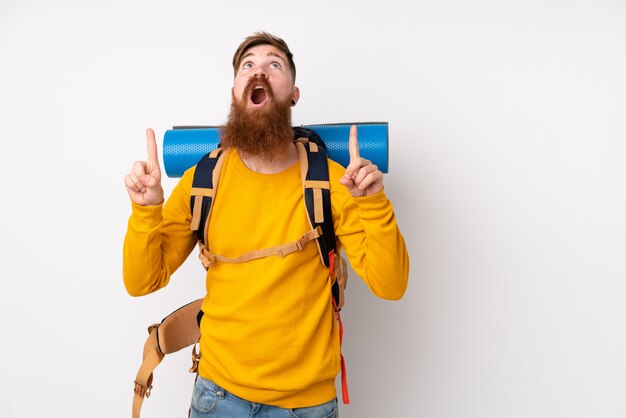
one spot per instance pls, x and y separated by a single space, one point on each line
268 334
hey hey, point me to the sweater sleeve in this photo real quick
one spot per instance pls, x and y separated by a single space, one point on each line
158 241
372 241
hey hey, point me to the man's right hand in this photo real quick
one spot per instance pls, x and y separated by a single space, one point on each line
143 183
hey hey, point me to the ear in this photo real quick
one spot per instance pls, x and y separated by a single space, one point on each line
295 96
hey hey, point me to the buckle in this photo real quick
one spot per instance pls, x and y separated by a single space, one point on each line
141 390
195 358
208 255
207 258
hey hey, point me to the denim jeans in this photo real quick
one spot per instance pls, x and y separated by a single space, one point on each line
210 400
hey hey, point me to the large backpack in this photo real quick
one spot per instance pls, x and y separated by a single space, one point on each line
180 329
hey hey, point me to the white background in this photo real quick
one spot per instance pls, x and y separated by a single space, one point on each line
507 172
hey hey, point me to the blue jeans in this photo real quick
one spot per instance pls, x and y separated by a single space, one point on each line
210 400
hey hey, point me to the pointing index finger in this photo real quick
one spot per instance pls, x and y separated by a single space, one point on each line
353 144
152 147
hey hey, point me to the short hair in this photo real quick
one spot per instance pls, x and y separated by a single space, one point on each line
264 38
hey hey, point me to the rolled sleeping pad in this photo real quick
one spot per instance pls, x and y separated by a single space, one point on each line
184 146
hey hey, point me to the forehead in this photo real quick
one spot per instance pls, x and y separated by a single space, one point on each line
260 51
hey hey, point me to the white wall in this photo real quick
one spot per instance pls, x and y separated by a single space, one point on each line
508 174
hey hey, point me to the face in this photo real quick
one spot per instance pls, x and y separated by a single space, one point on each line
264 61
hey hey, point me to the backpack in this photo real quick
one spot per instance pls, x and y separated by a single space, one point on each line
181 329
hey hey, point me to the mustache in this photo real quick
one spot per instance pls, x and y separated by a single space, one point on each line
256 81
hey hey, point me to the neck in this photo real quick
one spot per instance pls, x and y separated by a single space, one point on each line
263 166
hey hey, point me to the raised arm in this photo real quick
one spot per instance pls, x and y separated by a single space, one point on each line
367 228
158 239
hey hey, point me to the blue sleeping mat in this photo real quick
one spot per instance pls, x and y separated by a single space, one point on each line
184 146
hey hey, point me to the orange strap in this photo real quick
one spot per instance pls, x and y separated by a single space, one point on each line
208 258
177 331
152 356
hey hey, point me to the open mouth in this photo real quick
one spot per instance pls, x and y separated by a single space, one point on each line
258 95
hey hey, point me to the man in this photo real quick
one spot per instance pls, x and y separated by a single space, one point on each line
270 341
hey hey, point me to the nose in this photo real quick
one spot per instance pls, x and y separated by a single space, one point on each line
259 72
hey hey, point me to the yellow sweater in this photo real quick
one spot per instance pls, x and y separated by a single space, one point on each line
268 333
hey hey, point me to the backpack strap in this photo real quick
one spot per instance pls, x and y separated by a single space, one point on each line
178 330
209 258
316 184
203 188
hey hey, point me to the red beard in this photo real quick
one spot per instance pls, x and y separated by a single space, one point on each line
264 133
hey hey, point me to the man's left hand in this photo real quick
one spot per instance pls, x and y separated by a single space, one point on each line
362 178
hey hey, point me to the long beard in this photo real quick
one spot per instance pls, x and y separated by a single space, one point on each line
264 133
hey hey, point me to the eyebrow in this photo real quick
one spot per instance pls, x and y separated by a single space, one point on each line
268 54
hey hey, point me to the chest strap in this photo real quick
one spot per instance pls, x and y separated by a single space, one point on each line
209 258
